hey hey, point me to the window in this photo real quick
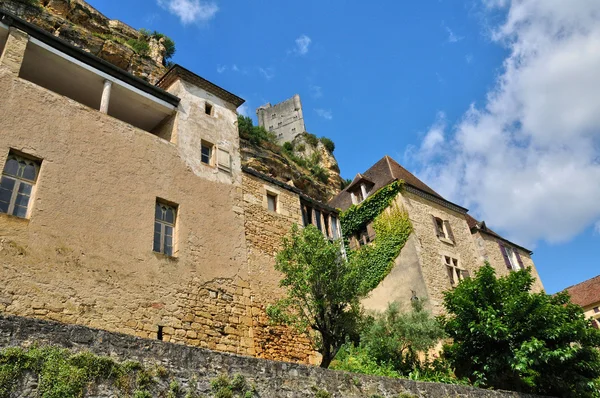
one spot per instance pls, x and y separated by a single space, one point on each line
164 226
443 230
306 215
318 220
512 259
596 310
273 115
455 272
326 224
18 179
280 123
272 201
206 152
293 129
363 237
334 228
208 109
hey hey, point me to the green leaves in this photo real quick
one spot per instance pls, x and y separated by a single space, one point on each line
506 337
323 290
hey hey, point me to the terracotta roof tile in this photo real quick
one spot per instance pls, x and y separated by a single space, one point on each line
475 225
586 292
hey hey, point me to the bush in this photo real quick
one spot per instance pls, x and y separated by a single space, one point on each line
140 46
254 134
288 146
357 359
329 144
505 337
311 139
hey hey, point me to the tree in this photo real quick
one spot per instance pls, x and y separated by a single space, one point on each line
323 290
506 337
396 337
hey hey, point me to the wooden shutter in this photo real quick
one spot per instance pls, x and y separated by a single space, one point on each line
435 226
519 259
505 255
224 160
449 230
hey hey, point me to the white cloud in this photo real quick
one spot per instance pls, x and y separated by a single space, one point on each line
268 73
452 37
324 113
244 110
190 11
315 91
469 58
528 160
221 68
597 228
302 44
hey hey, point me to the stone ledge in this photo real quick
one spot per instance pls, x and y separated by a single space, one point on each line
272 379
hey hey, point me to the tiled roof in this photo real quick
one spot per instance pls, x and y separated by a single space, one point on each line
475 226
381 174
586 292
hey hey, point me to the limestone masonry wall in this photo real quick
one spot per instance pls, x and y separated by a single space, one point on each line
195 367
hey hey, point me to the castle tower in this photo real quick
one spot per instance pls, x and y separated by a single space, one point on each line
284 119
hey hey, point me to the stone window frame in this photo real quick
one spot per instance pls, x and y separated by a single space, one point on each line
443 230
269 191
211 156
163 224
454 269
512 257
19 181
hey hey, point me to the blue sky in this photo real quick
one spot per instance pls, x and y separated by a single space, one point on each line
493 103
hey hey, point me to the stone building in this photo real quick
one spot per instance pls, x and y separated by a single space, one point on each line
446 244
284 119
124 205
587 295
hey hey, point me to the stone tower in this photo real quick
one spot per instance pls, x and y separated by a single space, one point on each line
284 119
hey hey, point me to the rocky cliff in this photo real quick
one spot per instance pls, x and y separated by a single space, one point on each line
308 165
82 25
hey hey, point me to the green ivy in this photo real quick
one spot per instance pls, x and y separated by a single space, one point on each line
64 374
376 260
357 216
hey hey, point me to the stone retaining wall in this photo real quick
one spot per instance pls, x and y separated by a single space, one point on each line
272 379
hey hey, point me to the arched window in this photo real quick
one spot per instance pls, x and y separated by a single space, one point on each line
164 228
16 186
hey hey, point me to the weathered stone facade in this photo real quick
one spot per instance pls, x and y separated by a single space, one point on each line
285 119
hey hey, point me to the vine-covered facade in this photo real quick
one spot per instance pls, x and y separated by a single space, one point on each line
433 243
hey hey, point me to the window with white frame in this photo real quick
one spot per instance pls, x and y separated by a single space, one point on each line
206 152
512 259
16 186
164 227
455 272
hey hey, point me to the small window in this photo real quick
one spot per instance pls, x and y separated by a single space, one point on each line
16 186
306 215
596 310
363 237
318 220
273 115
208 109
455 272
326 224
206 153
280 123
512 258
293 128
159 333
334 228
443 230
270 127
164 228
272 202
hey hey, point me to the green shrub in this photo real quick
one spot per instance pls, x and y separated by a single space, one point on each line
322 394
358 360
311 139
329 144
301 148
288 146
255 134
140 46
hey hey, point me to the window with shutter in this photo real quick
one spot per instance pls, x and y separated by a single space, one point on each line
438 226
448 231
224 160
505 256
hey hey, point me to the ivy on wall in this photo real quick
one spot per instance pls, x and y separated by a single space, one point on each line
376 260
392 230
357 216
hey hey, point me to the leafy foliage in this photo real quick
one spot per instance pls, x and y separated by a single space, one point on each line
323 290
506 337
357 216
396 337
345 183
222 387
329 144
288 146
63 374
255 134
357 359
311 139
140 46
376 260
168 43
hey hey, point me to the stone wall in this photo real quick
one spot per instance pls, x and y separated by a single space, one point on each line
431 249
194 368
489 250
285 119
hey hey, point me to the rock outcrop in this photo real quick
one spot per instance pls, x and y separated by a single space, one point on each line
80 24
